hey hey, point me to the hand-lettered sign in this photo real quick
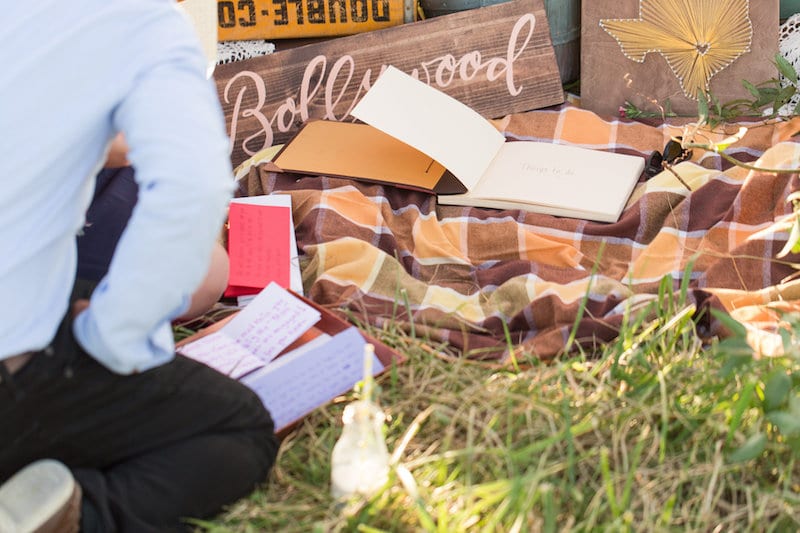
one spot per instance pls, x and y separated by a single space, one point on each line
496 59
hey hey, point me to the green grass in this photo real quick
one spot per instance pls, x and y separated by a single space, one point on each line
656 432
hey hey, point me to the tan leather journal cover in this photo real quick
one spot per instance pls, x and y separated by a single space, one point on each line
360 151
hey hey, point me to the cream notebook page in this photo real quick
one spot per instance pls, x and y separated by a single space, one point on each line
453 134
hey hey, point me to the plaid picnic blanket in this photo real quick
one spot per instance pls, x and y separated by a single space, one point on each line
482 280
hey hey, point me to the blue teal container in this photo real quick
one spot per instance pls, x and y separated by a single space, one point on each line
563 16
789 8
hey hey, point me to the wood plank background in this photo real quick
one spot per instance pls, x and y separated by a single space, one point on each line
496 59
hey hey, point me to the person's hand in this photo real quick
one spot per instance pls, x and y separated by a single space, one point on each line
117 153
79 306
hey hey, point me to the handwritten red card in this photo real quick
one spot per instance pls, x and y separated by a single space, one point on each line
259 247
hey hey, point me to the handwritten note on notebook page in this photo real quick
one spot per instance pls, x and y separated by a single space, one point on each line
258 247
256 335
279 200
222 353
300 381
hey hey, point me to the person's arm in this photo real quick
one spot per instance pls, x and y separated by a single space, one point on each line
174 127
212 286
216 279
204 297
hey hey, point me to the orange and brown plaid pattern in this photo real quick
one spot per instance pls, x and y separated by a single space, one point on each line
461 274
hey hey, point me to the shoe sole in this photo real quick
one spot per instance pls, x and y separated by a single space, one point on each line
43 497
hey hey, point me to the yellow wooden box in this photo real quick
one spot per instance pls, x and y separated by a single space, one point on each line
289 19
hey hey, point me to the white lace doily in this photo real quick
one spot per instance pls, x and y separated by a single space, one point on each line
230 51
789 48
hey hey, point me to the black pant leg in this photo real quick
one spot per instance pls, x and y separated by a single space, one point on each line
180 440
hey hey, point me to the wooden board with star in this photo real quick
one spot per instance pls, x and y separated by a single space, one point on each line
649 52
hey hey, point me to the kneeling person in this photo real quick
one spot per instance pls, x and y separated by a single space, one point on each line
150 437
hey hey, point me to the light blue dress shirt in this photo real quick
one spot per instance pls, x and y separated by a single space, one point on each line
72 74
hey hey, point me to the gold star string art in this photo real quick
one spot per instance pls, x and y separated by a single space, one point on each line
698 38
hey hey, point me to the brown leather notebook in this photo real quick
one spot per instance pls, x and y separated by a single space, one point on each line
360 151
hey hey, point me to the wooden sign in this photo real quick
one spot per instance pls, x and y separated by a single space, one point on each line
496 59
283 19
651 51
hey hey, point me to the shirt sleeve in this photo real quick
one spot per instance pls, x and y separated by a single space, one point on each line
174 127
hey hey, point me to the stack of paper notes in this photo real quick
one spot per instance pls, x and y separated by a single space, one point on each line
294 355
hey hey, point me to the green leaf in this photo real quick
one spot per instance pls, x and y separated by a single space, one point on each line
752 448
716 103
666 514
794 406
776 389
792 241
785 68
788 423
751 88
735 362
736 327
727 141
702 107
783 97
766 96
739 408
787 338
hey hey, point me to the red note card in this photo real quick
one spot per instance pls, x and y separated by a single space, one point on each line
258 246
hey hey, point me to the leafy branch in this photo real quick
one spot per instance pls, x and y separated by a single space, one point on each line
767 101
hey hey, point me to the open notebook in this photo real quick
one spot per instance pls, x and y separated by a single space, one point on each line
418 137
